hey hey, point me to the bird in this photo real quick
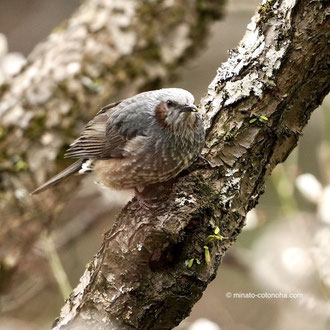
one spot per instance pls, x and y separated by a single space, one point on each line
142 140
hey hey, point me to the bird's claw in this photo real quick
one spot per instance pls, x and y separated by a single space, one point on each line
144 204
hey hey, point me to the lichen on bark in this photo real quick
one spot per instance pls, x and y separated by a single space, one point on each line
106 50
139 278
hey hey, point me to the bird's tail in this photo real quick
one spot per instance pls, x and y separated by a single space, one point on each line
74 168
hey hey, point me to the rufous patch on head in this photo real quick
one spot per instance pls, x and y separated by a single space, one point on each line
161 114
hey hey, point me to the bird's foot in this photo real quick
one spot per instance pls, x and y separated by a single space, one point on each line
142 199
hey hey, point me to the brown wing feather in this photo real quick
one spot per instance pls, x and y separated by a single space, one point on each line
96 141
73 168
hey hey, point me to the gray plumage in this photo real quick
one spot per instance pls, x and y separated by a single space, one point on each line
145 139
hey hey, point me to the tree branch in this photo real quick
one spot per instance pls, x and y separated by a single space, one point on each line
104 48
255 110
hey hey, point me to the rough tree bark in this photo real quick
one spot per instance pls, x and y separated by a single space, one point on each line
255 110
105 47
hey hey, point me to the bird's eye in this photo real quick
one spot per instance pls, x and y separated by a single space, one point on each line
170 103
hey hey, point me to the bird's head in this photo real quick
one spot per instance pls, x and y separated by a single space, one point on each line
175 109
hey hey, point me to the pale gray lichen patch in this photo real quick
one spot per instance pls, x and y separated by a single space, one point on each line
242 88
110 278
229 190
226 89
273 57
288 4
250 48
184 200
231 172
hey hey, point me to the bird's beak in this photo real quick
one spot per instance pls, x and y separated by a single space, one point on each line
189 108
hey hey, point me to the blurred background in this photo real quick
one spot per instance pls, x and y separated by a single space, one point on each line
284 248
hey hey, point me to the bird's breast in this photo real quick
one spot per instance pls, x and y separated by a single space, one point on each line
150 159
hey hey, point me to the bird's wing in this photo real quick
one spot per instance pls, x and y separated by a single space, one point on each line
107 134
